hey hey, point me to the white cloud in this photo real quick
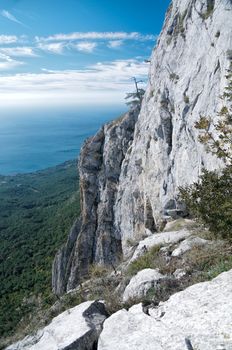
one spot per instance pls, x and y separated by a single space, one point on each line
7 62
18 51
56 48
88 41
113 44
9 16
97 36
59 47
84 46
100 83
8 39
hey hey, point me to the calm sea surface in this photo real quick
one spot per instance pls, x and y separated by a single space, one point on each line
35 140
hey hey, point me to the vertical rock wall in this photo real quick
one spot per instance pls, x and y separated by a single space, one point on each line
131 169
93 239
187 77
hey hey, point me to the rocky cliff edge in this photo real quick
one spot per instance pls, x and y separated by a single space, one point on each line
131 169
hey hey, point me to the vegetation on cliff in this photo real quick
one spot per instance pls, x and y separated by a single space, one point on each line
210 199
36 212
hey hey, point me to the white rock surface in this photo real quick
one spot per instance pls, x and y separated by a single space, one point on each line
130 171
179 273
188 244
158 239
187 78
141 283
201 313
75 329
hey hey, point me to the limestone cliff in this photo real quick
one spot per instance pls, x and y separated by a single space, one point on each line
187 77
129 177
93 238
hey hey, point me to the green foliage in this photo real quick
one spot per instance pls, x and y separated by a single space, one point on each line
209 261
209 10
180 28
135 98
147 260
210 199
201 264
174 77
36 212
220 145
186 98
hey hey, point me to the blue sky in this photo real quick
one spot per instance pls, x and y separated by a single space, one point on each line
75 51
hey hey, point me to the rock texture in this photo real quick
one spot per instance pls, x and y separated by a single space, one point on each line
188 244
141 283
187 77
200 316
131 169
160 239
93 239
74 329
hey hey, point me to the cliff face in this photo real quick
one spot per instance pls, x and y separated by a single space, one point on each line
128 187
93 238
187 77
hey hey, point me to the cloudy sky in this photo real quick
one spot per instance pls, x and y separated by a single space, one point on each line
59 52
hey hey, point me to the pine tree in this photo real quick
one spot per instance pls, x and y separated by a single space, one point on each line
135 98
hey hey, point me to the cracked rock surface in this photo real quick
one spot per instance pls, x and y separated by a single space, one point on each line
75 329
200 314
130 171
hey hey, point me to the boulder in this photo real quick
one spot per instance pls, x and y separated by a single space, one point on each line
75 329
141 283
164 238
179 273
200 317
189 244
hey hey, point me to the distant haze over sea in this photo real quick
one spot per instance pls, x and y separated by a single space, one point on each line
33 140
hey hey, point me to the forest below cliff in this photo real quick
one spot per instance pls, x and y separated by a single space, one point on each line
36 213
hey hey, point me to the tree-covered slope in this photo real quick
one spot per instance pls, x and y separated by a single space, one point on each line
36 212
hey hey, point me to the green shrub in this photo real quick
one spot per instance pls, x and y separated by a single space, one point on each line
209 10
210 200
186 98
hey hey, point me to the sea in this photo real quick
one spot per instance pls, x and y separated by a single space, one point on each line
37 139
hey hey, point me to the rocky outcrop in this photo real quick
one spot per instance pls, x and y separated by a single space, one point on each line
93 238
131 169
197 318
160 239
74 329
141 283
188 244
186 80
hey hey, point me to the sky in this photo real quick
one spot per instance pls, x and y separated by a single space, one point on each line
75 52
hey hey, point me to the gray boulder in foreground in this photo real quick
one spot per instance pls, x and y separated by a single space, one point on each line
75 329
200 316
